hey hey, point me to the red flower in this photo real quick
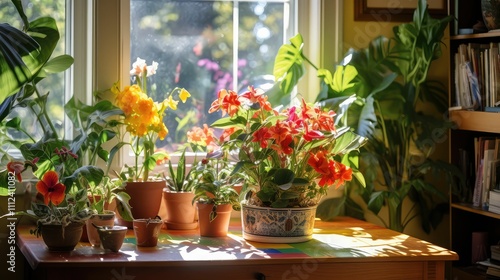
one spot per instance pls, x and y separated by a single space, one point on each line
310 135
261 136
282 136
51 188
319 162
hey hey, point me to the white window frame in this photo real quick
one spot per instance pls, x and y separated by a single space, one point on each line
105 52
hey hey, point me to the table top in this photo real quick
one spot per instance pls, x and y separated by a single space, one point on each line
344 239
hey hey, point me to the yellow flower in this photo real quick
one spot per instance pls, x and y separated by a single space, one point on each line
163 132
184 95
172 103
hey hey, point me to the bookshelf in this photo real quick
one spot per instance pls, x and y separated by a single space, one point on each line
465 219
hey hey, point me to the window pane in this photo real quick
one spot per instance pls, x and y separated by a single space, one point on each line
200 46
54 83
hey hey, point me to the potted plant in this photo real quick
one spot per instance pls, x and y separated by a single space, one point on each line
179 195
60 214
143 122
389 94
215 194
290 157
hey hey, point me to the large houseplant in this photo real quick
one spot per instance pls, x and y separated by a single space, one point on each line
144 124
290 156
389 96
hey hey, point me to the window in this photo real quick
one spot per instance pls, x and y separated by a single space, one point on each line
113 52
205 46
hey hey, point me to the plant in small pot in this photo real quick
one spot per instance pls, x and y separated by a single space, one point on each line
146 231
178 196
143 122
100 198
60 215
215 194
291 157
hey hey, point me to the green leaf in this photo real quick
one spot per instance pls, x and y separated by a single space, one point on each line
377 200
343 77
288 64
22 55
58 64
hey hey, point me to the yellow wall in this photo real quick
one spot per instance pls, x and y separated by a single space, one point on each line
357 34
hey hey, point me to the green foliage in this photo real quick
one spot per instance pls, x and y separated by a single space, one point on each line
214 182
391 89
24 52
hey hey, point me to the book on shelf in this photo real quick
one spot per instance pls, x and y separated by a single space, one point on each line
487 153
494 198
495 253
494 209
477 74
492 268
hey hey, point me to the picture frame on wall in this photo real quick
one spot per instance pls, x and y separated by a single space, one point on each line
394 10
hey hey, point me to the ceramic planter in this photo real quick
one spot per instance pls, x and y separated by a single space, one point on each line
146 231
277 225
220 225
181 213
145 200
105 219
112 237
58 239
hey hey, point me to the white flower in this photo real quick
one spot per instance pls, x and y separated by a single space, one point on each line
151 69
138 67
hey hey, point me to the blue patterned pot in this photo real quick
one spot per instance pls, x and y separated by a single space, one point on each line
277 225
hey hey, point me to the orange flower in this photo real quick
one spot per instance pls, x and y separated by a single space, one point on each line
51 188
227 102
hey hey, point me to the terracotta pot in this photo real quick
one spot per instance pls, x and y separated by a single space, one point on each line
145 200
181 212
85 237
112 237
58 239
220 225
146 231
105 219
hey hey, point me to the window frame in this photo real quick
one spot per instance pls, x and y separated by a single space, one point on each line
105 50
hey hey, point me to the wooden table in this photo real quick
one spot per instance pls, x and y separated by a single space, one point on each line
345 248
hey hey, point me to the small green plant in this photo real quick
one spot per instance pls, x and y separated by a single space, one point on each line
215 182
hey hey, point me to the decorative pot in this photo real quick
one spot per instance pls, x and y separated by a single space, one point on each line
58 238
491 13
181 212
220 225
146 231
145 200
112 237
277 225
105 219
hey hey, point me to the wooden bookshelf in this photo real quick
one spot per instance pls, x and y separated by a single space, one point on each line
476 121
465 220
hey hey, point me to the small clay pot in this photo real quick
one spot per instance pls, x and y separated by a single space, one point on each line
111 237
220 225
146 231
104 219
